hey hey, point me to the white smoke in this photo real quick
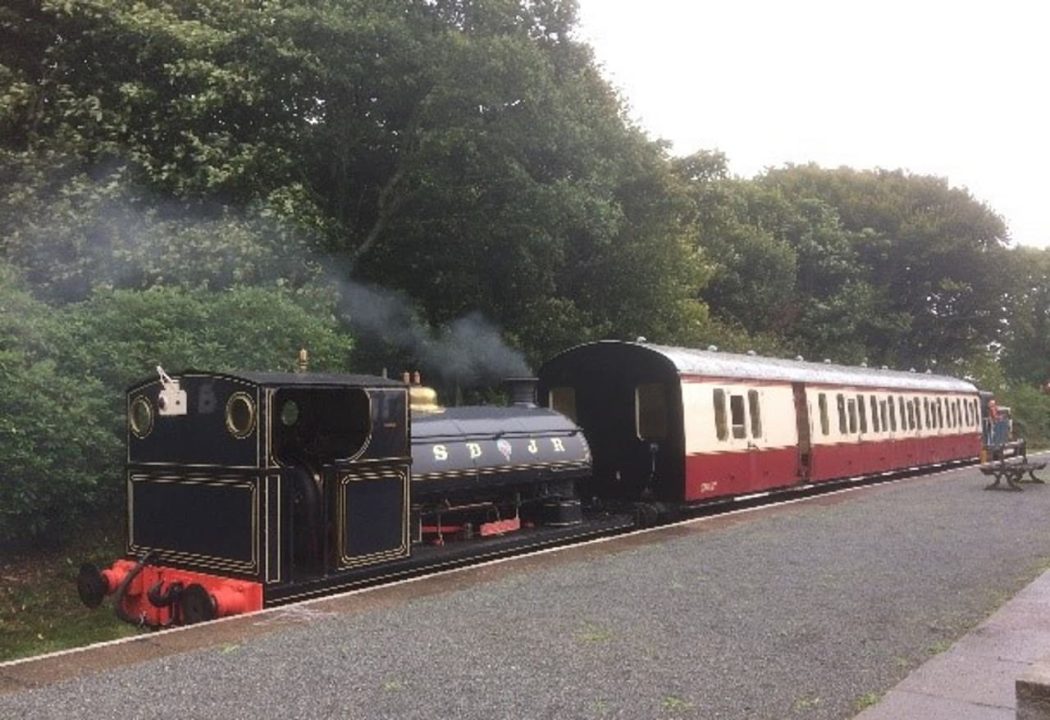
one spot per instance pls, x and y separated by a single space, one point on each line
468 351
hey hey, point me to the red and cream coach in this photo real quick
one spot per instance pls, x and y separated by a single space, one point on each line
673 425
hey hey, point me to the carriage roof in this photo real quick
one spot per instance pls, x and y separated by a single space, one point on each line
716 364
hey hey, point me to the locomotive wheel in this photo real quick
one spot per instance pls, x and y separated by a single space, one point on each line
196 605
91 586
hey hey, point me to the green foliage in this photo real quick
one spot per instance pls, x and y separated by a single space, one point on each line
931 256
62 376
54 452
120 336
1026 329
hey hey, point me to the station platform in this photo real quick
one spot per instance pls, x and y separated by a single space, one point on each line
975 679
922 598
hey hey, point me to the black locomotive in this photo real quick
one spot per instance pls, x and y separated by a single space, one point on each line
252 489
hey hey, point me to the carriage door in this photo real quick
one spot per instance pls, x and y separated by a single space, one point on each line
802 423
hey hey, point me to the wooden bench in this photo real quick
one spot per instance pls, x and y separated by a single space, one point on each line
1013 472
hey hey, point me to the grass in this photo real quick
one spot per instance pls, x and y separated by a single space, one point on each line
675 704
594 634
807 703
39 608
866 700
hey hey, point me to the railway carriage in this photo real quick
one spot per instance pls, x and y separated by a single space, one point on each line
675 425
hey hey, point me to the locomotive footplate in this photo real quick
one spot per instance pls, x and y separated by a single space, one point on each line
430 558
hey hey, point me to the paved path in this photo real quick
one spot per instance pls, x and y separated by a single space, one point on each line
809 610
974 680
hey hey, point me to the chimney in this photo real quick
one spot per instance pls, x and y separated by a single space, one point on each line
522 391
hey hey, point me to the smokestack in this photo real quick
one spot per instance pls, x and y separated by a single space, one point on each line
522 391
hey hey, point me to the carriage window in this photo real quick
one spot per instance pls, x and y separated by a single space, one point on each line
756 413
911 416
852 405
882 416
874 414
841 402
720 414
918 413
893 415
958 413
563 400
822 401
863 414
938 410
736 411
903 413
651 411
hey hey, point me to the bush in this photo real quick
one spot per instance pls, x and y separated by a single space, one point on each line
63 374
57 460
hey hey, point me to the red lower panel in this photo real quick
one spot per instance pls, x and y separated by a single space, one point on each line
739 473
717 475
852 459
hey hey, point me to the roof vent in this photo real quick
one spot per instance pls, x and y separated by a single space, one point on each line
911 369
641 339
885 367
929 372
827 361
712 348
864 363
799 358
752 353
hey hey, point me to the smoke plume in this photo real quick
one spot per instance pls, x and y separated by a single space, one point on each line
468 351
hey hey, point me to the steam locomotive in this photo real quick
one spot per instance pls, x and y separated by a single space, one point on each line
248 490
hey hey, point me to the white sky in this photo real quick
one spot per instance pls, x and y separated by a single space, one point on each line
954 89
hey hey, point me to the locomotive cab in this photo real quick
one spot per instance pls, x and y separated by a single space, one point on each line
246 488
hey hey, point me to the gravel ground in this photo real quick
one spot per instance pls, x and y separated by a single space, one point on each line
805 613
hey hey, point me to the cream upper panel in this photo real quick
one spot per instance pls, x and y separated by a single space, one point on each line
742 428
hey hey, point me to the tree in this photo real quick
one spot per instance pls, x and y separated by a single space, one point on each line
1025 334
931 255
